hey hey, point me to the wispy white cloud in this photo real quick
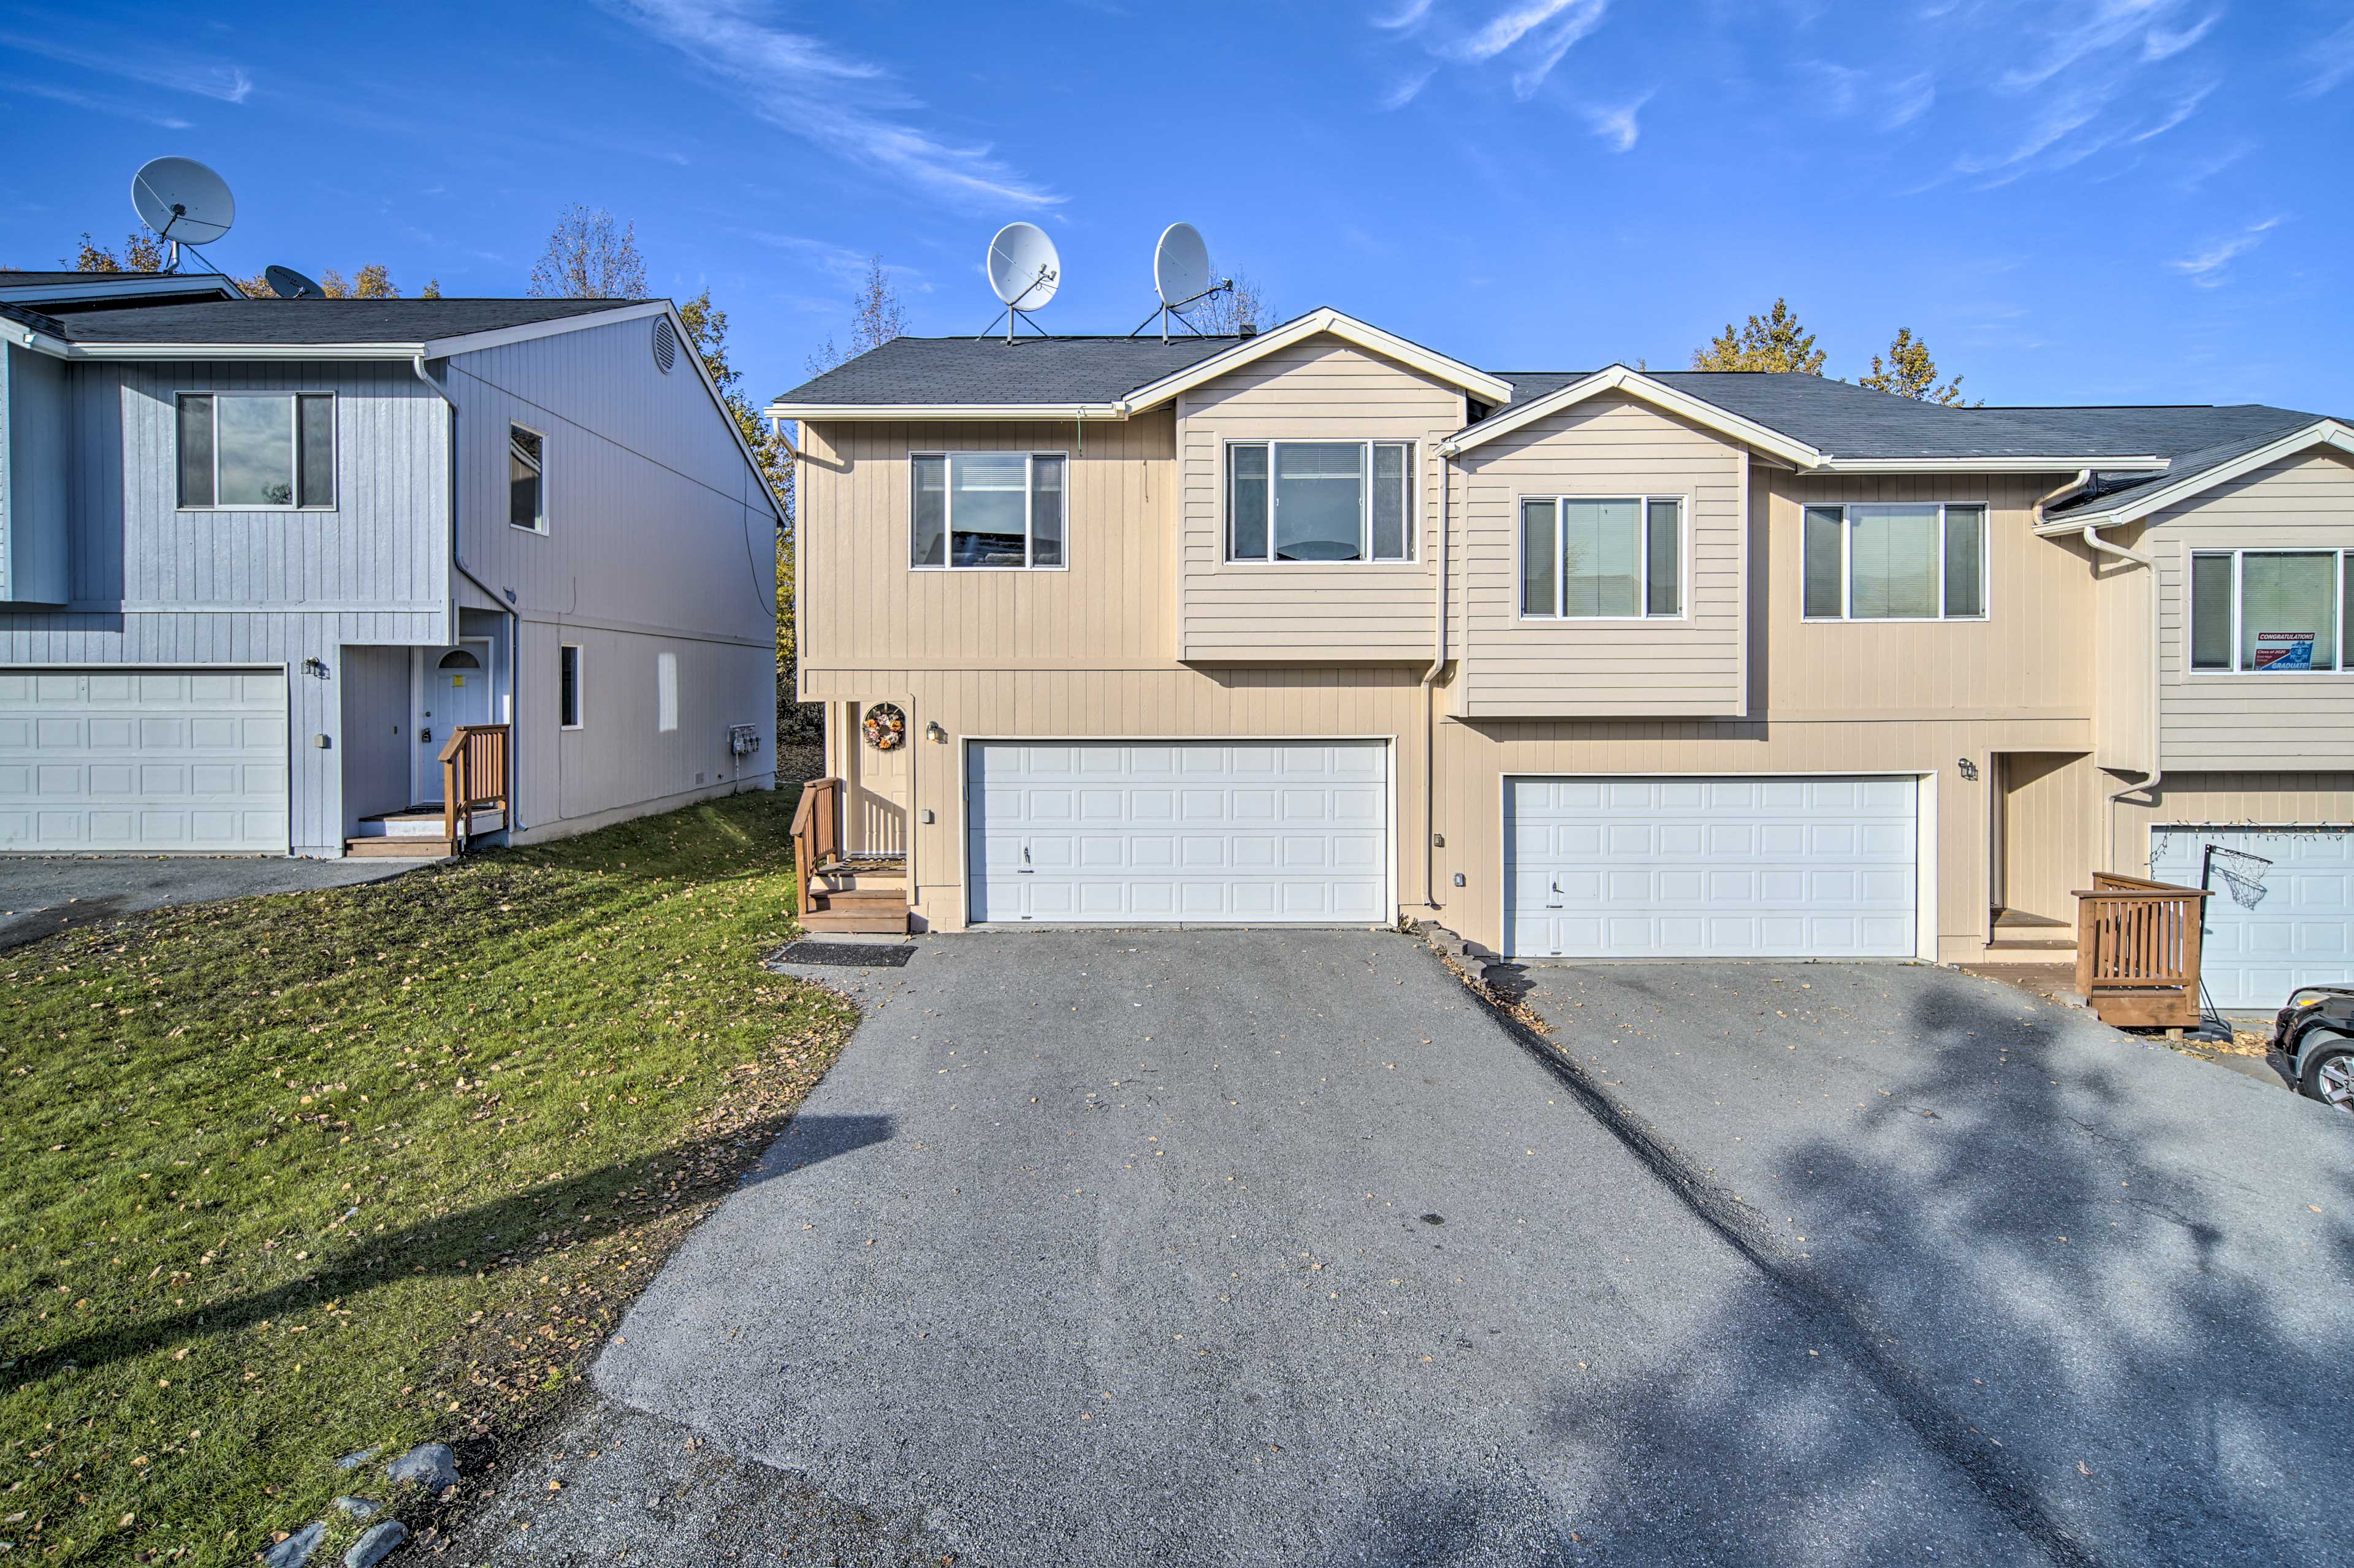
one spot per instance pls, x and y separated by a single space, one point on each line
1617 126
96 103
2208 269
2176 116
177 73
1889 100
1527 38
2332 59
847 106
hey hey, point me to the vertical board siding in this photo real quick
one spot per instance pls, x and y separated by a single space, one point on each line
864 607
1319 390
149 584
2230 720
2256 799
1682 667
2033 654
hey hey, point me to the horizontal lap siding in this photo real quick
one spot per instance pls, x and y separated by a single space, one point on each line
863 606
1320 389
1608 447
2226 721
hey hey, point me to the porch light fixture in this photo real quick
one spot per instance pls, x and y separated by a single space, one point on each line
1970 769
933 731
315 665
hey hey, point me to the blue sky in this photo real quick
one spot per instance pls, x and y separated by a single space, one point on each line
2071 200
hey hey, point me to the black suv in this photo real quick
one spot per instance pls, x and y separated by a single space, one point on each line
2313 1042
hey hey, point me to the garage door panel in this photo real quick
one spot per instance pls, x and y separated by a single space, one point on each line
142 762
1180 830
1698 867
2301 931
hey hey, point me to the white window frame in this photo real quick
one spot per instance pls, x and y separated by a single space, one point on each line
1030 455
1847 565
1412 557
1684 562
2191 612
579 719
294 396
540 529
665 691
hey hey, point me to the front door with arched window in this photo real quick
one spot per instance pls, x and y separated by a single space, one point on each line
456 691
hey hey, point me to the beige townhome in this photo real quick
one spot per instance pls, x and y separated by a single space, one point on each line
1320 625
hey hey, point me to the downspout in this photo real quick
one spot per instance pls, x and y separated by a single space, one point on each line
1429 692
515 620
2091 535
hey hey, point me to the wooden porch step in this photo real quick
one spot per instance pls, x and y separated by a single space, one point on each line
406 846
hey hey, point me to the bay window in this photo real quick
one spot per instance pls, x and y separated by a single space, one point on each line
2273 612
1908 562
1002 510
1319 501
1586 558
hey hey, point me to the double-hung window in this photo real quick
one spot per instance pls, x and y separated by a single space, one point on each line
257 451
1004 510
1319 501
1589 558
1908 562
2271 612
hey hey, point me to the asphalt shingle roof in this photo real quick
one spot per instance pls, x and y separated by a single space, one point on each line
319 323
1838 417
950 370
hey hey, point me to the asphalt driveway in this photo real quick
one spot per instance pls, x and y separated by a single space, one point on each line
1230 1247
42 894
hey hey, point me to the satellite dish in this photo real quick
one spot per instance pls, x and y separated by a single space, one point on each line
1181 266
288 284
182 201
1023 267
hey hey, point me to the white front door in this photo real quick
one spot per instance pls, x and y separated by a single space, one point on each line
2297 927
1113 833
1718 867
455 690
142 762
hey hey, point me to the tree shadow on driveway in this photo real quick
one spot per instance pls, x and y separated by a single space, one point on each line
2033 1290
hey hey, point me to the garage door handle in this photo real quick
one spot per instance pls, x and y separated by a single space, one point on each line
1025 868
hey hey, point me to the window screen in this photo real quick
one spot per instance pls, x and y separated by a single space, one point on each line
2210 612
1046 511
1248 505
1825 566
1662 589
196 452
927 537
1965 560
1540 564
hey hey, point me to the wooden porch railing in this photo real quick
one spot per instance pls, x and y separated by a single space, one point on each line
2141 938
817 832
473 778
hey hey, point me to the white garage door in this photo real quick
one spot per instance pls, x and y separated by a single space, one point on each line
1734 867
1108 834
142 762
2301 931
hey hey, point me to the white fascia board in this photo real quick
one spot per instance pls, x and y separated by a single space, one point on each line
170 351
1619 378
100 288
947 411
1832 464
443 349
1373 340
2321 432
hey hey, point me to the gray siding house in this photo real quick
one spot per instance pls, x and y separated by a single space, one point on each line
259 558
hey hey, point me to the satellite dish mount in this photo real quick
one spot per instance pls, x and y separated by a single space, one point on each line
1025 270
1180 276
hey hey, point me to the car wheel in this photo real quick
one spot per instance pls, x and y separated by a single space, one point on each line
2330 1073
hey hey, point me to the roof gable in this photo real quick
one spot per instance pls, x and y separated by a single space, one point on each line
1478 384
2129 498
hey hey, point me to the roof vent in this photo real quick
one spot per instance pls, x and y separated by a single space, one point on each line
665 344
1248 329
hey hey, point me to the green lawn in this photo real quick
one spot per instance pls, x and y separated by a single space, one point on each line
301 1175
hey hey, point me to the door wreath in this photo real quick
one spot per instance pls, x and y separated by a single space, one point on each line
886 727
